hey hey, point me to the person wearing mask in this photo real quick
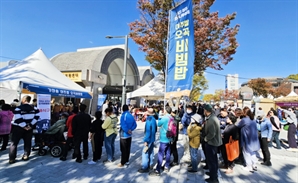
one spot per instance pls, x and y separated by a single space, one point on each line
69 140
110 127
230 131
212 142
193 131
164 147
149 139
186 119
249 139
127 126
81 124
173 144
292 121
275 127
96 136
265 133
25 116
6 117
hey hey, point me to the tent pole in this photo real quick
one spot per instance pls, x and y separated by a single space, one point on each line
20 92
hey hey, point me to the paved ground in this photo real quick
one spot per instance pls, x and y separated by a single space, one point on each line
41 169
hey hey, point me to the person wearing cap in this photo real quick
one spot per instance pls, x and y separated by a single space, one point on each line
81 124
164 146
265 134
185 122
127 125
69 139
55 128
193 131
149 139
212 142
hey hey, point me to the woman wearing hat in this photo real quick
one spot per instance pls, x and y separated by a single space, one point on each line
193 131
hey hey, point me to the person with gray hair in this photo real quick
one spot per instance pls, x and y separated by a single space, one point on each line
292 121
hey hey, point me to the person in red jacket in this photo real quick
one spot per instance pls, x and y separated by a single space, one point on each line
69 134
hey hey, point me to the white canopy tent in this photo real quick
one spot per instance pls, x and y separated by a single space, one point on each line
153 90
292 94
38 75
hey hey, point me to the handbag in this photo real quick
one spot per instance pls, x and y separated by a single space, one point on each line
286 127
232 149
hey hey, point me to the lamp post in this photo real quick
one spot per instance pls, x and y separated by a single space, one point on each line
124 66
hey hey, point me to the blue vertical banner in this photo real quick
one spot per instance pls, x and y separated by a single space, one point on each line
100 100
181 51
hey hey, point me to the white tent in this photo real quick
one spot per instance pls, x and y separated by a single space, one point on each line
153 90
8 95
292 94
37 74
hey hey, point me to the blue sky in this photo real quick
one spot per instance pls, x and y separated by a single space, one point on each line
268 35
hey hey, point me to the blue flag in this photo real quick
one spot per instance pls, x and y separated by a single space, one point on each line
181 52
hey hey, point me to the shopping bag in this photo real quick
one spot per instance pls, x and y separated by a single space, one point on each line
232 149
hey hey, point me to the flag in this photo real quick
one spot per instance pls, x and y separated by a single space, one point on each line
181 51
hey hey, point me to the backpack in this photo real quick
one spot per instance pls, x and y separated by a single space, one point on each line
172 129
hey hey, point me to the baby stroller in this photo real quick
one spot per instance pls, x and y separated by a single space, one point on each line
52 142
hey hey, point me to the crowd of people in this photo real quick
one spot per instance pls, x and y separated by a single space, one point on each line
211 127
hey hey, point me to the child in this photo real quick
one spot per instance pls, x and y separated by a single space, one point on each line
193 132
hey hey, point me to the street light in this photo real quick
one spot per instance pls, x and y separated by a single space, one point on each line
124 67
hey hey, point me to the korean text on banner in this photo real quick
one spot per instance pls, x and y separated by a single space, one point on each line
44 106
181 51
101 99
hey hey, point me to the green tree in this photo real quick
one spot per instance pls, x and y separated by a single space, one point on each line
293 76
208 97
200 84
215 38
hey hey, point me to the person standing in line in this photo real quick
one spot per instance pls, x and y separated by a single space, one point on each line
103 109
6 117
164 146
173 144
25 116
81 124
275 127
193 131
292 121
69 140
265 134
185 122
96 136
149 139
127 125
212 142
249 139
110 127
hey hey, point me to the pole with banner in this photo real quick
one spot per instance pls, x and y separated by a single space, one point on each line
101 99
181 51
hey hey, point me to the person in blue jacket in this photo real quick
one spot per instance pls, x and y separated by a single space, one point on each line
127 125
149 139
265 134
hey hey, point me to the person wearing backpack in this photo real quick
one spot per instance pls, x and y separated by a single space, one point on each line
173 144
193 131
164 147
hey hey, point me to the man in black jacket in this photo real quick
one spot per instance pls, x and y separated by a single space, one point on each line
81 124
25 116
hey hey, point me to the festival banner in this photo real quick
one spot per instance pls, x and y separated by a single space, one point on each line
44 106
101 99
181 51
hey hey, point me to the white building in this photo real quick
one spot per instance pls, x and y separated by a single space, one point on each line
232 82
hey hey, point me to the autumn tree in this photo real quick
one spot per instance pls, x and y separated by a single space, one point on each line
293 76
200 84
283 89
260 87
208 97
215 38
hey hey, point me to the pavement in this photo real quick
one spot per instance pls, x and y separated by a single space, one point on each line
43 169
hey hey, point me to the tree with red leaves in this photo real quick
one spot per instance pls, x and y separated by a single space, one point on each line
215 38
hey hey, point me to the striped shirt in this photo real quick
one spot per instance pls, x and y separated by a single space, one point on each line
25 115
